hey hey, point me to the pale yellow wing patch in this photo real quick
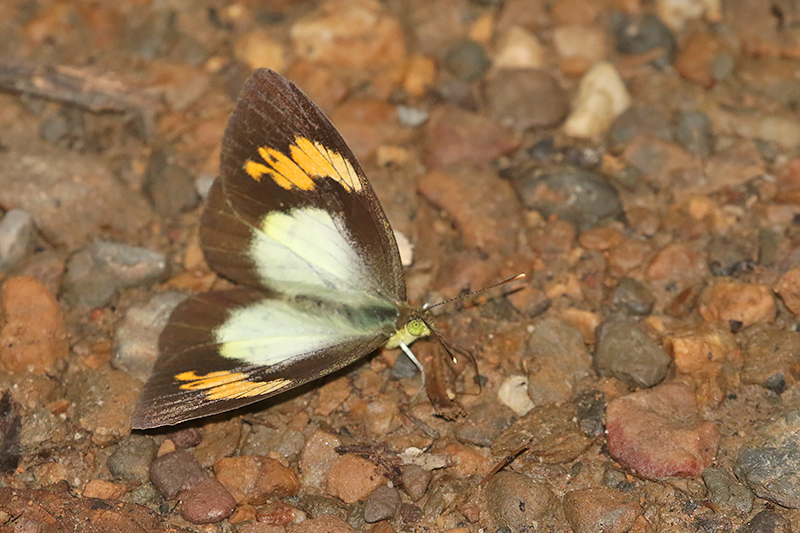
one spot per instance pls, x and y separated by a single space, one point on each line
225 385
308 161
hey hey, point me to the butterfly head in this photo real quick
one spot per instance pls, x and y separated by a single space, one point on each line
415 326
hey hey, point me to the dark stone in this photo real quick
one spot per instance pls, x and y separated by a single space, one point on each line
579 196
641 36
633 296
175 472
627 353
467 61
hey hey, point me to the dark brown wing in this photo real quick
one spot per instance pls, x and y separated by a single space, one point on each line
191 379
280 153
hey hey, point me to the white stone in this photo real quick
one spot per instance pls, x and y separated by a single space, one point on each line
16 232
519 48
514 394
676 13
602 97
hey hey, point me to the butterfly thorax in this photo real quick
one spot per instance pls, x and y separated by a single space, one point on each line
412 325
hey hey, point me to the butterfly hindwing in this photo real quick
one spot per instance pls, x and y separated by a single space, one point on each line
226 349
280 154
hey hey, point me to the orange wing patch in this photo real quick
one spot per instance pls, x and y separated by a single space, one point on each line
307 162
228 385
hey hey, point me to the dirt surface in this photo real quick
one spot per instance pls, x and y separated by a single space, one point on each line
636 160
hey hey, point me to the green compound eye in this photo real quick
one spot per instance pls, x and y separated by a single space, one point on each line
417 328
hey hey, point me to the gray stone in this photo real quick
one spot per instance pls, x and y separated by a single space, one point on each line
383 503
633 296
527 98
131 460
726 493
97 272
557 361
695 132
771 467
627 353
136 338
483 423
467 61
516 501
634 36
16 231
767 522
581 197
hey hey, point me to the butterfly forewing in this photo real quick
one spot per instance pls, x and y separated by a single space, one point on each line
280 154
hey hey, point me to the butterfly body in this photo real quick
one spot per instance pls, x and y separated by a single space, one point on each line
294 222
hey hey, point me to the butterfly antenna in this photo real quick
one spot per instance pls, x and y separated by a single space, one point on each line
473 293
447 342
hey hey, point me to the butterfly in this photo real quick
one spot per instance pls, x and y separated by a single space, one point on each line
293 221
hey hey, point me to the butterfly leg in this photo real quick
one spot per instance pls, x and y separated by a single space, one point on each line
410 354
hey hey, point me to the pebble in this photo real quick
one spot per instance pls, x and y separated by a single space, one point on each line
747 303
600 509
725 493
789 289
103 401
412 117
709 355
260 48
169 188
467 61
317 458
659 432
40 429
633 297
769 353
581 197
415 481
352 478
640 120
676 13
368 124
676 262
625 351
131 459
315 505
355 35
519 49
590 408
33 337
729 256
557 360
255 479
96 273
220 439
513 393
770 466
602 97
16 233
455 135
550 432
466 461
383 503
104 490
578 40
275 437
517 502
526 98
176 472
323 524
695 132
483 205
641 36
767 522
484 421
72 199
696 56
207 502
136 337
420 75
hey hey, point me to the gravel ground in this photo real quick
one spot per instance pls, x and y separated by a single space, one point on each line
636 160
